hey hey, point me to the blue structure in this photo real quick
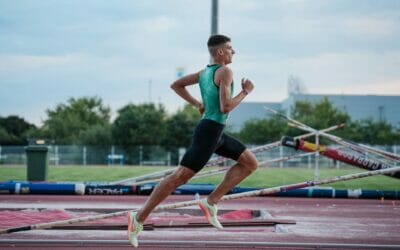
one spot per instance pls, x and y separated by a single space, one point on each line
358 107
187 189
112 158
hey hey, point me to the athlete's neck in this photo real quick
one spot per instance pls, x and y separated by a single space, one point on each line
219 62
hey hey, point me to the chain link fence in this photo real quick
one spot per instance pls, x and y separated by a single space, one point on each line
96 155
153 155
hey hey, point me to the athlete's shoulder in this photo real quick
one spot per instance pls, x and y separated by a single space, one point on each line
224 71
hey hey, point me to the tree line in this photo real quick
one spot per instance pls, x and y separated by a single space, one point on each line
87 121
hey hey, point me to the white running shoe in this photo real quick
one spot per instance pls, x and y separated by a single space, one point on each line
134 228
211 212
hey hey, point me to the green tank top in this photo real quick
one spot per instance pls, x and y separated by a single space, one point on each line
210 95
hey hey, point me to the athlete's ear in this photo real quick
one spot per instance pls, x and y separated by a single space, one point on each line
220 51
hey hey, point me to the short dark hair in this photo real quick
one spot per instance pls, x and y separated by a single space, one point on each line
216 40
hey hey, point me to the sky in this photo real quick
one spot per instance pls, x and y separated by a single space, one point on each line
129 52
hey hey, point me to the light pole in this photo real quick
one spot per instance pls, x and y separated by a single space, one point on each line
214 17
214 20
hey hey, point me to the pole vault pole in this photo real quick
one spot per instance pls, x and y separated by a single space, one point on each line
144 177
156 177
341 141
337 154
162 174
392 155
356 147
265 191
224 169
261 164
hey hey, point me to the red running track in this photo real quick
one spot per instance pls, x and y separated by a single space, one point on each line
320 223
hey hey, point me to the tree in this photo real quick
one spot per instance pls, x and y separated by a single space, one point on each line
6 138
180 127
322 115
319 115
179 130
13 130
96 135
262 131
67 121
139 125
375 132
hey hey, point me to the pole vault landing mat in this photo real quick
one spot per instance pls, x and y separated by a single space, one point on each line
249 223
183 218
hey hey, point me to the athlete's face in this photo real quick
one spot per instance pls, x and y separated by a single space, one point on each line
228 52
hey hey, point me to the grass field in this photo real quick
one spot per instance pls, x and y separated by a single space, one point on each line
264 177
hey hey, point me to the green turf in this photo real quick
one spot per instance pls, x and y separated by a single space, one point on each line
79 173
265 177
272 177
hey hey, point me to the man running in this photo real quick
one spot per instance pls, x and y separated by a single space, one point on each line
216 86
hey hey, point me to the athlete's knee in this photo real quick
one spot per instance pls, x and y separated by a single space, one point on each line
248 160
253 165
181 176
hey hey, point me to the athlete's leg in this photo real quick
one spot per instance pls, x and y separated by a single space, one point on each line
204 141
179 177
246 164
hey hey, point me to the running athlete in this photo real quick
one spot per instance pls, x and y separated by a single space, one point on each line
216 86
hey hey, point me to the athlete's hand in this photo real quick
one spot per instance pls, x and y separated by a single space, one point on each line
247 85
200 107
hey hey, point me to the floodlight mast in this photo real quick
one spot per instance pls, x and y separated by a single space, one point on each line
214 21
214 17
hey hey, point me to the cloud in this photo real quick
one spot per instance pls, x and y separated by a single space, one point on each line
371 28
329 73
307 28
113 50
344 68
384 87
19 63
159 24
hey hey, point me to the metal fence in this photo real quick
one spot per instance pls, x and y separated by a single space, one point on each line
96 155
150 155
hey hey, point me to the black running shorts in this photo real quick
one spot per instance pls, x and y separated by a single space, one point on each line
209 138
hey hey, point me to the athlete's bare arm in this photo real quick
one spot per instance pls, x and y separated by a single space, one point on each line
223 78
179 86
